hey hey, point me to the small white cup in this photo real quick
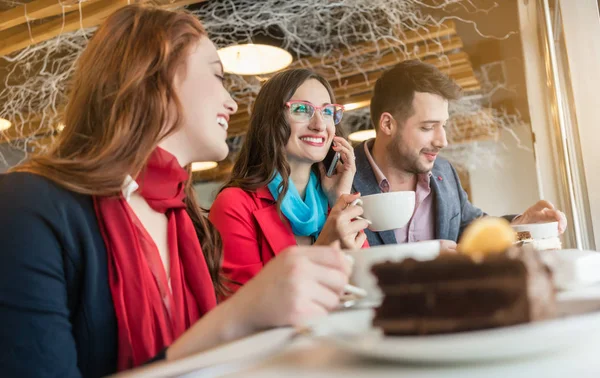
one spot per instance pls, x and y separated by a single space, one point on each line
387 211
364 259
539 230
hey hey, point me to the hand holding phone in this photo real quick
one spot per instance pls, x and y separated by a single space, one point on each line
331 161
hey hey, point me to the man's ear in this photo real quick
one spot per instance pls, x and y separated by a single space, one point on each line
387 124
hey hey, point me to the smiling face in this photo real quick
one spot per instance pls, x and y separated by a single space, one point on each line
206 107
309 140
416 143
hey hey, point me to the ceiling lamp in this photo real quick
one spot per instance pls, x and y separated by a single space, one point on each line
203 165
4 124
360 136
357 105
254 59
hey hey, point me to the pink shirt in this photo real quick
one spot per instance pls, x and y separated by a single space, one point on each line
422 223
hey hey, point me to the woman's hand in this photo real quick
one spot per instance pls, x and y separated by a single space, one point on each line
342 225
301 283
341 182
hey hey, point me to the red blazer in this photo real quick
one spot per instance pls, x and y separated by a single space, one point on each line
251 229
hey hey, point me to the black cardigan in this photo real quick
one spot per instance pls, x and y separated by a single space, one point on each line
56 313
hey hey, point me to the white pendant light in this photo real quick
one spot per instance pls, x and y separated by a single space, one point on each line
361 136
254 59
356 105
203 165
4 124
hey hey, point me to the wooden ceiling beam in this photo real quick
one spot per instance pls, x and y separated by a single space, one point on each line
95 13
20 35
37 10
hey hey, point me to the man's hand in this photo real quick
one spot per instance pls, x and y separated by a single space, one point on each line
543 212
447 246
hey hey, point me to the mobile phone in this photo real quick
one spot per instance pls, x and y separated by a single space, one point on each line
331 161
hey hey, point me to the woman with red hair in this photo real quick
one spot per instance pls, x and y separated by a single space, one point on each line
106 260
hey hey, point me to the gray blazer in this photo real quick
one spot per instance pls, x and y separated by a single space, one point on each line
453 211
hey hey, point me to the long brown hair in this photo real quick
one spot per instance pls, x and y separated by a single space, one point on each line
122 97
263 152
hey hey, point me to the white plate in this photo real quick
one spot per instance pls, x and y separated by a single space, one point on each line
573 268
352 332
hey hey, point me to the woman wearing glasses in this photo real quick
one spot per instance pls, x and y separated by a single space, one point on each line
279 194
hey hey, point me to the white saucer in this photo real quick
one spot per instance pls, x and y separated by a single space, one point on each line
352 331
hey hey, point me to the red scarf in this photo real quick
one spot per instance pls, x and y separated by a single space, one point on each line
150 316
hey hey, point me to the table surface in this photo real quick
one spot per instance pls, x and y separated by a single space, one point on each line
308 357
285 352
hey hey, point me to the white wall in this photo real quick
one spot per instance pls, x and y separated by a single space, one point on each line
580 29
510 186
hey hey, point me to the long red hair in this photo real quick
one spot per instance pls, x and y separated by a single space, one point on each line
121 100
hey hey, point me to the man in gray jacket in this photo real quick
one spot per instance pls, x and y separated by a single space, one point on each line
409 111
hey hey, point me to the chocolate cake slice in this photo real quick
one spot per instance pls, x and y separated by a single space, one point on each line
455 293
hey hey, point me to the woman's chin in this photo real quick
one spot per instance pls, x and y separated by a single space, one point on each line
307 157
215 155
222 153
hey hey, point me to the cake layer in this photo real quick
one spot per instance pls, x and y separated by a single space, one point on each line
430 301
435 326
447 267
454 293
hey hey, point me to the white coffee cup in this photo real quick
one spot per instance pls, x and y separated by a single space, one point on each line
364 259
539 230
387 211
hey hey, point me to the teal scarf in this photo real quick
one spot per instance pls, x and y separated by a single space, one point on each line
306 217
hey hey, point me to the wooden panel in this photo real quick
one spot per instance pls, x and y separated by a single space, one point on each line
37 10
20 35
